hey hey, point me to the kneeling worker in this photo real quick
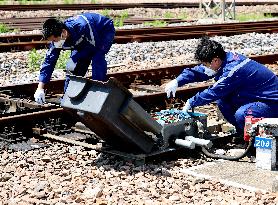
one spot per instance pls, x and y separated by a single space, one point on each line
243 86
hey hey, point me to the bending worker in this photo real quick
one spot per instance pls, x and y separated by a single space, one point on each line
88 35
243 86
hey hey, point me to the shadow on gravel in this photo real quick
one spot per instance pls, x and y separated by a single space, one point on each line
154 165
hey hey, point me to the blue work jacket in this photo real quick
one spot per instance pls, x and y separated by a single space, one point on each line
87 31
239 79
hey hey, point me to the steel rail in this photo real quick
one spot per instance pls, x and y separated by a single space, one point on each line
27 121
13 42
29 24
116 6
95 6
126 77
175 29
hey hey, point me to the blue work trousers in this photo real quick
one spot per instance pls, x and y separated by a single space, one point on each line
236 115
95 55
99 66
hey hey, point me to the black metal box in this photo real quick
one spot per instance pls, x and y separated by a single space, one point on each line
109 110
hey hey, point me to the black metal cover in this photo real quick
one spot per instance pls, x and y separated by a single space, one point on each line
109 110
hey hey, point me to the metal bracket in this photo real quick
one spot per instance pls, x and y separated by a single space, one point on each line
218 9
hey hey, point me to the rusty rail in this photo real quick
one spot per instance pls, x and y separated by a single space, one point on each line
25 122
152 34
126 78
95 6
116 6
29 24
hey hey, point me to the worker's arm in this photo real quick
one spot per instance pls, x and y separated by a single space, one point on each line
196 74
49 63
45 72
223 87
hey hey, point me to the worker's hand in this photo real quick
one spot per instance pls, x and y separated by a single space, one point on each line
70 65
171 87
186 107
39 96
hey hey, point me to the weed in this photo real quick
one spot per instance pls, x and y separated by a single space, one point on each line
124 14
105 12
119 21
35 59
68 1
62 61
252 16
168 15
156 23
183 16
4 28
22 2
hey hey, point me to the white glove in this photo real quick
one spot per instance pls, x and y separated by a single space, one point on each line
70 65
209 72
186 107
171 87
39 96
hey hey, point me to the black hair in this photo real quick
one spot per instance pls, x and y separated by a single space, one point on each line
208 49
52 26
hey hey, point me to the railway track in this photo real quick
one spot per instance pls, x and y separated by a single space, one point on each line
21 116
29 24
116 6
22 41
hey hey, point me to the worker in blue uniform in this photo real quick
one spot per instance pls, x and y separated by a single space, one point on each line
243 86
89 36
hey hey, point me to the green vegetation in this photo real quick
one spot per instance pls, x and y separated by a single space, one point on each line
105 12
156 23
169 15
119 21
4 28
63 58
68 1
124 14
183 16
28 2
22 2
251 17
35 59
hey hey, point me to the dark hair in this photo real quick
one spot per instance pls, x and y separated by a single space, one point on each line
208 49
52 26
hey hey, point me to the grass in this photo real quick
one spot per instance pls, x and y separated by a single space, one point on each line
156 23
35 59
183 16
105 12
169 15
251 17
68 1
28 2
4 28
22 2
119 21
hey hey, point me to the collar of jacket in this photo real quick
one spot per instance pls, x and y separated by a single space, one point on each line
73 37
230 56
